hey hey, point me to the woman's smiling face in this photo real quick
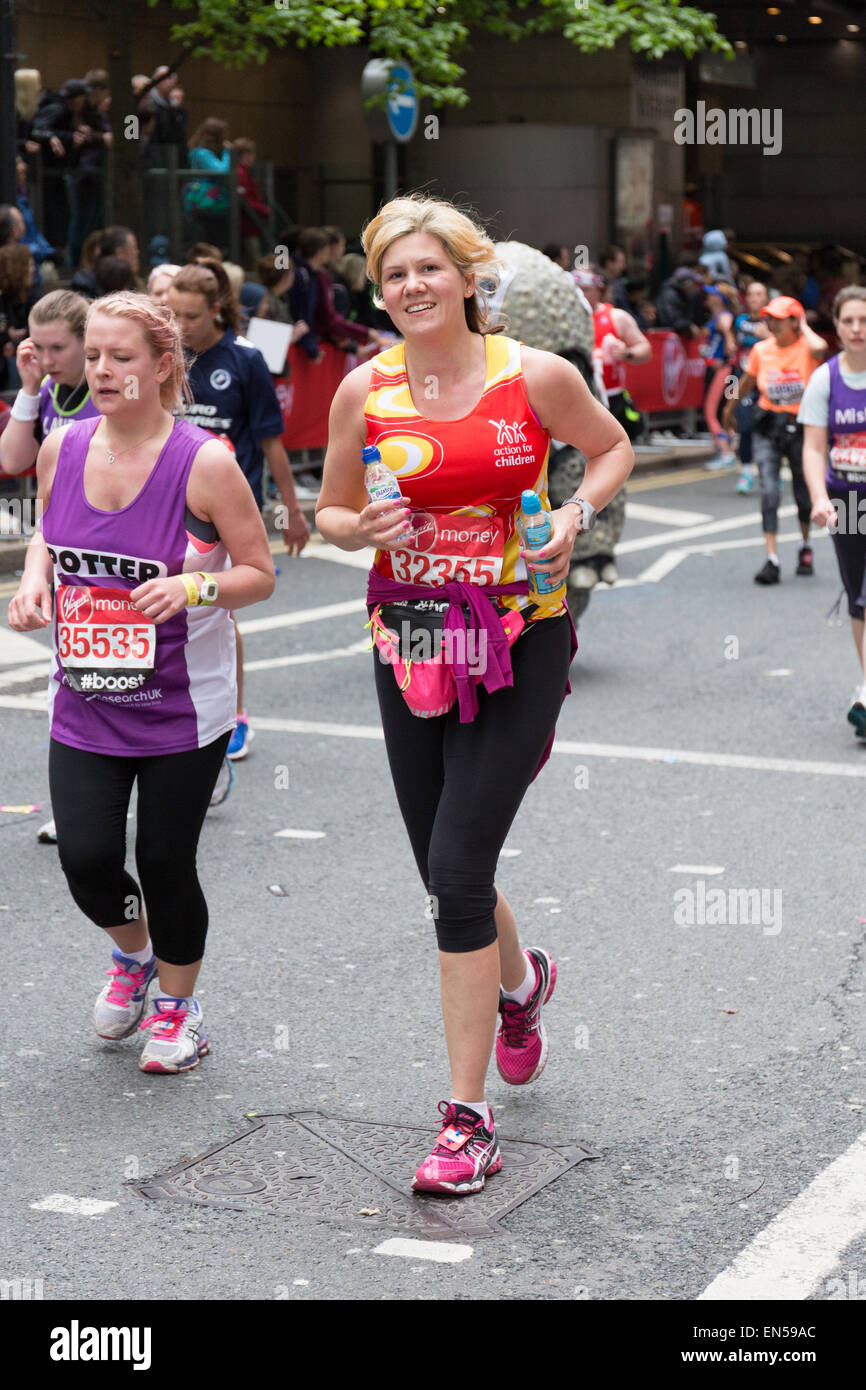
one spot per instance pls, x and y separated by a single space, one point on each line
422 288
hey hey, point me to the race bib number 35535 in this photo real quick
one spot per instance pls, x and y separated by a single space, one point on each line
103 643
449 547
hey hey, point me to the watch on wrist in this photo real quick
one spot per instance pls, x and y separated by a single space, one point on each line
588 513
209 591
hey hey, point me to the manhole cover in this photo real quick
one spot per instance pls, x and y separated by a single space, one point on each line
312 1166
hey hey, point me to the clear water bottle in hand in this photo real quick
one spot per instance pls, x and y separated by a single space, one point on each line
535 530
380 482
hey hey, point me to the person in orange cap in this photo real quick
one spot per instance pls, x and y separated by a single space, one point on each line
780 367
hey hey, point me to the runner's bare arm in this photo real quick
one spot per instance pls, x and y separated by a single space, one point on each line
31 606
815 473
566 407
217 491
344 514
638 347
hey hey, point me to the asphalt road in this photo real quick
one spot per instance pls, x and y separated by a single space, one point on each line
714 1066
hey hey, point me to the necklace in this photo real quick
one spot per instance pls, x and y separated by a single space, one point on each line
116 453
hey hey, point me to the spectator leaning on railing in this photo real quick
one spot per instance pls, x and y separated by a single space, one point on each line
251 199
206 203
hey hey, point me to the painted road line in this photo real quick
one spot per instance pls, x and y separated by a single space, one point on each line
573 749
298 834
303 615
662 567
37 702
700 759
21 674
697 869
675 479
443 1252
666 516
745 541
303 658
689 533
307 726
16 647
791 1257
357 559
72 1206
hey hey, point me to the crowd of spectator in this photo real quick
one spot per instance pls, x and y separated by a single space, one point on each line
63 137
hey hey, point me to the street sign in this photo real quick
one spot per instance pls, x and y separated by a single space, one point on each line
402 102
399 118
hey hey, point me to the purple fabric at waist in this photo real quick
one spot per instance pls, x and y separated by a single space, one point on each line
482 618
381 589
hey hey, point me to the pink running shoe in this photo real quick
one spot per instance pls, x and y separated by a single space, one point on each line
522 1043
177 1039
465 1153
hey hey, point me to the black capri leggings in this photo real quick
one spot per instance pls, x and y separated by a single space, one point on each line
850 548
90 794
459 786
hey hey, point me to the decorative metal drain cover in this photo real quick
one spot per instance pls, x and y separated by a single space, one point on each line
315 1167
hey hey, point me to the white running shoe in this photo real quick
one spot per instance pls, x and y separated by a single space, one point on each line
177 1039
224 783
118 1009
47 833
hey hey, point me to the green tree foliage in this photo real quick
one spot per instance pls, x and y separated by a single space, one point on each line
429 34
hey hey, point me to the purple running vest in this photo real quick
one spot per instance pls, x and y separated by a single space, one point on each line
52 418
846 432
190 698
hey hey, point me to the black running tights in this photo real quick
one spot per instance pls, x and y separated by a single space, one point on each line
90 794
459 786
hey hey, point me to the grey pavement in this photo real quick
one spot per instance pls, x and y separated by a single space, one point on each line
716 1069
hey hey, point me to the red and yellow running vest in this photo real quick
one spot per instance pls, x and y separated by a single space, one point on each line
462 478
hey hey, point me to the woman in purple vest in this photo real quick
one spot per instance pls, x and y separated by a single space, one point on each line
833 412
142 688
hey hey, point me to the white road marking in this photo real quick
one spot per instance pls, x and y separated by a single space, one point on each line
304 615
689 533
442 1251
299 834
661 567
667 516
20 674
72 1206
803 1244
303 658
16 647
37 702
357 559
697 869
594 750
684 755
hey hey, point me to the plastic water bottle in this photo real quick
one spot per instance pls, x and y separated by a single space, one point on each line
380 482
535 530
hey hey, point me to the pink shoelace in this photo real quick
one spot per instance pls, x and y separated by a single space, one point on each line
123 985
168 1023
517 1021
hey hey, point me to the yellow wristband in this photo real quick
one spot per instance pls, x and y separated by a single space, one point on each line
192 594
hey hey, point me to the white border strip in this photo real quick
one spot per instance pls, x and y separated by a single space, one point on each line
803 1244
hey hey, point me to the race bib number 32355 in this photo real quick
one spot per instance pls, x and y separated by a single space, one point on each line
103 643
448 547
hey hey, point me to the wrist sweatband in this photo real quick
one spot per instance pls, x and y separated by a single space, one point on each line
25 407
192 594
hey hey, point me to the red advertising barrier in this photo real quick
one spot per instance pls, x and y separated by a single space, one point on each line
306 396
673 379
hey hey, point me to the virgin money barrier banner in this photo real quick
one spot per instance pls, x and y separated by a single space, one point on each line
305 397
673 379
